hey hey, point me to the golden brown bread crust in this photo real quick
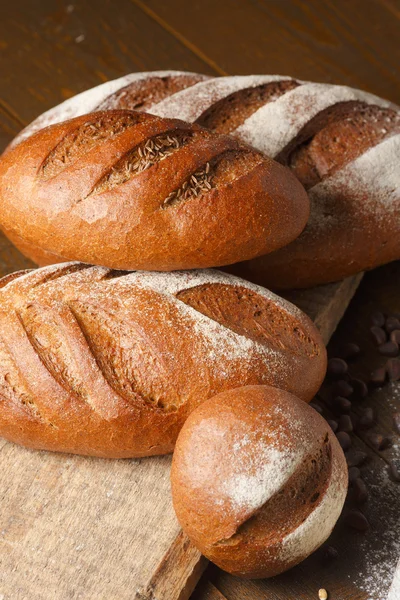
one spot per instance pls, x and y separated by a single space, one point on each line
258 480
355 204
130 190
342 143
110 364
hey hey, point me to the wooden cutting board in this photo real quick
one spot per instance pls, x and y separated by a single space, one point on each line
92 529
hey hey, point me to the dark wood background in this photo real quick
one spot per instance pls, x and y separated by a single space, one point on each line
53 49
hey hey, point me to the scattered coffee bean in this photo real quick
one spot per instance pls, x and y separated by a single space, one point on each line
396 422
378 335
394 471
391 324
356 520
349 351
341 405
393 369
354 473
389 349
378 319
345 424
317 407
387 443
367 419
330 553
360 491
355 458
376 440
378 377
333 425
395 336
337 367
344 440
342 388
360 389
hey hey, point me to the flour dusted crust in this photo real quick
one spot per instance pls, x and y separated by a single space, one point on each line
352 201
109 363
258 480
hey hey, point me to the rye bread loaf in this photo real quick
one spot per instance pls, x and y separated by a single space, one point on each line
342 143
258 480
128 190
109 363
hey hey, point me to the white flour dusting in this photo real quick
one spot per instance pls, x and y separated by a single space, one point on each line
190 103
276 123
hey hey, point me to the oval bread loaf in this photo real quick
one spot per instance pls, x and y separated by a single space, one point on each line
128 190
110 364
258 480
342 143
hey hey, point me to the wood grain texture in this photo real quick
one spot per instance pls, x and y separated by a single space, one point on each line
53 50
72 527
334 41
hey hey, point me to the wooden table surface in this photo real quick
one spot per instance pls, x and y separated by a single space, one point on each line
53 49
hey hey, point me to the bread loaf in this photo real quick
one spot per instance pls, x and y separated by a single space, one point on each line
342 143
108 363
128 190
258 480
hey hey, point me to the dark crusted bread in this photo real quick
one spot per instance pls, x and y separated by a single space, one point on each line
342 143
258 480
109 363
128 190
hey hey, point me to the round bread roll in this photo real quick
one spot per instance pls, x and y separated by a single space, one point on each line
258 480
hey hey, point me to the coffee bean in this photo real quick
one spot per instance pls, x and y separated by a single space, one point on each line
396 422
395 336
337 367
394 471
330 553
367 419
341 405
376 440
393 369
342 388
378 335
360 491
355 458
378 319
356 520
333 425
387 443
378 377
316 407
391 324
345 424
349 351
344 440
354 473
360 389
389 349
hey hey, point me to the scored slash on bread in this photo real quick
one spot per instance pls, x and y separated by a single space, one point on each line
258 480
342 143
108 363
129 190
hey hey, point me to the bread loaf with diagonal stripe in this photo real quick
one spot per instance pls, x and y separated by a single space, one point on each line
109 363
342 143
